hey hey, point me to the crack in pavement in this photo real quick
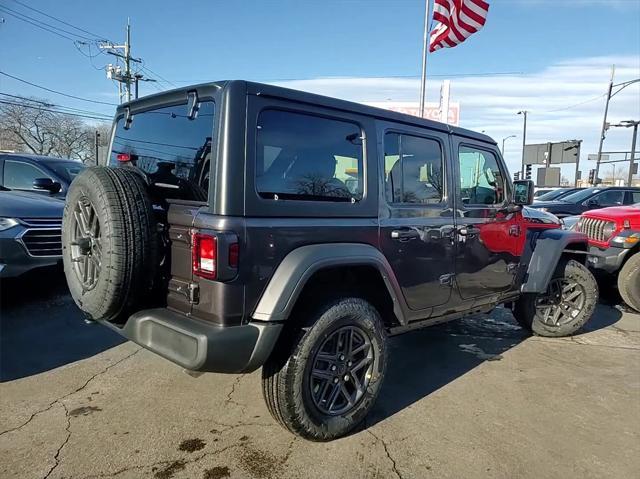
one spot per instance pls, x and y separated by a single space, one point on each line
230 399
386 450
56 458
77 390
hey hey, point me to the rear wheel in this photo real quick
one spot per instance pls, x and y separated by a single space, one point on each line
109 243
565 307
629 282
326 375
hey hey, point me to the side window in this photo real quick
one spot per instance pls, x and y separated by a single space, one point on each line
413 169
635 197
20 176
172 149
481 181
306 157
610 198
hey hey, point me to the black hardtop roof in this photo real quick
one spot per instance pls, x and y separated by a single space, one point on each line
254 88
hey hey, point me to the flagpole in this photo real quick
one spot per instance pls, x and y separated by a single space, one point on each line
425 49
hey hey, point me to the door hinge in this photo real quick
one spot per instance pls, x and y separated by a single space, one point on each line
447 279
194 293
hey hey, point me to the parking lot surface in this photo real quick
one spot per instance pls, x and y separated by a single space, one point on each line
471 398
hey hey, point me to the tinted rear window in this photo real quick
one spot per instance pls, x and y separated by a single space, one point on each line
308 157
172 149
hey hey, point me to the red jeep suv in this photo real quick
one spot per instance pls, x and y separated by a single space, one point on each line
614 246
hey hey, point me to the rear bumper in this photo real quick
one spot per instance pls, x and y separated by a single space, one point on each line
607 260
200 345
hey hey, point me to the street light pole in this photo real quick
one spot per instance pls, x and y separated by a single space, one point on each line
633 152
504 139
604 124
524 137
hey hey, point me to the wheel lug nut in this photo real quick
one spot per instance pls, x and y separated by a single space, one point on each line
346 377
342 357
335 380
333 368
349 363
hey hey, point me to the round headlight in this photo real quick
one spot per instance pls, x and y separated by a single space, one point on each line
609 229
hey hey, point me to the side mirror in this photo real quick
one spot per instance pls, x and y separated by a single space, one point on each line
523 192
47 184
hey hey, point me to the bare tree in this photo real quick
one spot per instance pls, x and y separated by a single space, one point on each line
34 128
28 126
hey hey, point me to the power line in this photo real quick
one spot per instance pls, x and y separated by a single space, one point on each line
58 92
14 12
33 107
37 25
576 104
99 37
53 105
149 70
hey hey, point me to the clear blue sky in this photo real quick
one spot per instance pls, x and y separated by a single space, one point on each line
270 40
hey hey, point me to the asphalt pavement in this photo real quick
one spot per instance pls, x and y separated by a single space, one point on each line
471 398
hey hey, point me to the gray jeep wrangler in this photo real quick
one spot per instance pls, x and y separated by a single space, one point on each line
240 225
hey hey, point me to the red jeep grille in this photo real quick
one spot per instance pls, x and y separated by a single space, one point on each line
594 228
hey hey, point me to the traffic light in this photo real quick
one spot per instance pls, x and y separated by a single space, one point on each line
527 172
516 176
592 177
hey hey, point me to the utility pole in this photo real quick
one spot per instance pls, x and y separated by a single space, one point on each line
97 146
114 72
604 122
524 136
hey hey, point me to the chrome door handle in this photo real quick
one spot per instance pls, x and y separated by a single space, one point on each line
404 234
468 231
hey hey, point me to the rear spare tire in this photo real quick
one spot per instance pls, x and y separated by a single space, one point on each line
109 243
566 306
629 282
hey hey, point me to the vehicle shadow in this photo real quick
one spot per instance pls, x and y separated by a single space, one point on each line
41 328
421 362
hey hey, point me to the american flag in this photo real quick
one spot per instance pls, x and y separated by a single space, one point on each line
457 20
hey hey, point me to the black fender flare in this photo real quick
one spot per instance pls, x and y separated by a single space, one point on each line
549 246
290 277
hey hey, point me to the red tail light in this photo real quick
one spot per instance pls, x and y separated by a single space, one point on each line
123 157
233 255
205 255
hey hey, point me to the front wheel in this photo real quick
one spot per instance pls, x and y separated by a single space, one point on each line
565 307
629 282
326 374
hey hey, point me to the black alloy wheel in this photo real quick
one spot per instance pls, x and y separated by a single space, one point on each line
86 243
341 370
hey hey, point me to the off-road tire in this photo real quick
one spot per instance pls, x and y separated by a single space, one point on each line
286 375
629 281
531 316
125 277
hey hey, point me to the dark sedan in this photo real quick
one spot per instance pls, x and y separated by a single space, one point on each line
589 199
557 194
30 232
39 174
